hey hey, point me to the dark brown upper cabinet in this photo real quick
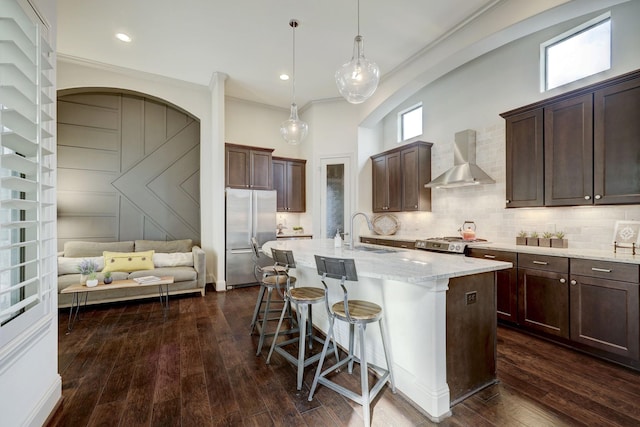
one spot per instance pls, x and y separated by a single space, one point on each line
289 181
616 143
387 183
578 148
525 160
248 167
568 152
399 177
415 164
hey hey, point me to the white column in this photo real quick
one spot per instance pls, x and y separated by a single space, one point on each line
212 186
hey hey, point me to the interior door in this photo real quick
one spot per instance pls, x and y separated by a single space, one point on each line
335 195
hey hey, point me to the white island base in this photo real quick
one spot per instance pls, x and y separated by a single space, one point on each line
442 350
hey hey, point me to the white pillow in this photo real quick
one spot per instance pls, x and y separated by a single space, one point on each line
69 265
174 259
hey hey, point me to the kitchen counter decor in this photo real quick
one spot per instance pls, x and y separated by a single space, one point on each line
386 224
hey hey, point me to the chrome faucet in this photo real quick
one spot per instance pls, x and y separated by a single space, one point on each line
352 231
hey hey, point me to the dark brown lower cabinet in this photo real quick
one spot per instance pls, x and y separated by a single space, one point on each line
595 309
406 244
544 302
471 335
543 294
506 282
605 312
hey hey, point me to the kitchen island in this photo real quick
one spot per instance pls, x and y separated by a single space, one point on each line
439 310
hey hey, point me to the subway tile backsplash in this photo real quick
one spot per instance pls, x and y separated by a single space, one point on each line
584 227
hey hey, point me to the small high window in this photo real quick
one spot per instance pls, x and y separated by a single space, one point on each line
410 123
577 53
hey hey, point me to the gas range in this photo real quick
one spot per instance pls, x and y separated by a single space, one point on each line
449 244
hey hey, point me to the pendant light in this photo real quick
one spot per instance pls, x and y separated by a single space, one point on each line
358 79
294 130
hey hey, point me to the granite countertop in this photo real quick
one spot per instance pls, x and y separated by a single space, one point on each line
622 255
404 265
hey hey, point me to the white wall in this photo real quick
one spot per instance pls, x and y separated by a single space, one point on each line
472 97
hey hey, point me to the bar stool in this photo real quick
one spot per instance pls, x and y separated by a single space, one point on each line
270 277
303 298
354 312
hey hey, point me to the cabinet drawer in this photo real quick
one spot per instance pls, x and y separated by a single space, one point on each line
369 240
606 270
544 262
494 255
403 244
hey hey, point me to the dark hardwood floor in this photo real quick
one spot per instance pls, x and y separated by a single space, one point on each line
123 365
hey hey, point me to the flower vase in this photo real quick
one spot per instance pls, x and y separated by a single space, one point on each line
83 278
92 282
108 280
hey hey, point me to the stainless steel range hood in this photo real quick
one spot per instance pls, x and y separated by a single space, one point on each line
464 171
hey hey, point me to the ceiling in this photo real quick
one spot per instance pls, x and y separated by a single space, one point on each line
251 41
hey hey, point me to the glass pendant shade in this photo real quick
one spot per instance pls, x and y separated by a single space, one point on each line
294 130
358 79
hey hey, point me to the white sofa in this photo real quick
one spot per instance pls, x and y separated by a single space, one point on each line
171 258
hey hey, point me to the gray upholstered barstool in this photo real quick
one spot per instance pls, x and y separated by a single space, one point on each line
355 313
270 277
303 299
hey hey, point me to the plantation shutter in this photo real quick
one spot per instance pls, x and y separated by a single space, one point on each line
27 170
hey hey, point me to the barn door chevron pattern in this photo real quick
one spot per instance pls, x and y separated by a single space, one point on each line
154 185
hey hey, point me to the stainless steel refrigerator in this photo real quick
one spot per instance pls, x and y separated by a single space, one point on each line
248 213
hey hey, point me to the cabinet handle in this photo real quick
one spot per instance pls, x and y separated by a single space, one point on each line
415 206
573 282
601 270
563 281
490 256
508 201
598 197
541 262
587 197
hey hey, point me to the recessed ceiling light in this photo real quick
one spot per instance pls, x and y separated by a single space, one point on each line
284 77
123 37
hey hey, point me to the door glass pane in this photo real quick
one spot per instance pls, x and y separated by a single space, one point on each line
335 199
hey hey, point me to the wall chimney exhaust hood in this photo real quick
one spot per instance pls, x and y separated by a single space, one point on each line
464 171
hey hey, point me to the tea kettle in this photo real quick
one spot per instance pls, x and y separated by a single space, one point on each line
468 230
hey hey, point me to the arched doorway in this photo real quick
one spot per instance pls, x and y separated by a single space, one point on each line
128 168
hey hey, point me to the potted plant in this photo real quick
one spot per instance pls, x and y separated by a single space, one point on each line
107 278
521 239
87 269
545 240
559 241
532 240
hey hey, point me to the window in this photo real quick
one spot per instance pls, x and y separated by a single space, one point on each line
410 123
27 181
578 53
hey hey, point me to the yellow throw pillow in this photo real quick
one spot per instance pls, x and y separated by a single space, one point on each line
127 261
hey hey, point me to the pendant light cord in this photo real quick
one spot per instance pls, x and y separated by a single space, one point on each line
358 17
293 24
